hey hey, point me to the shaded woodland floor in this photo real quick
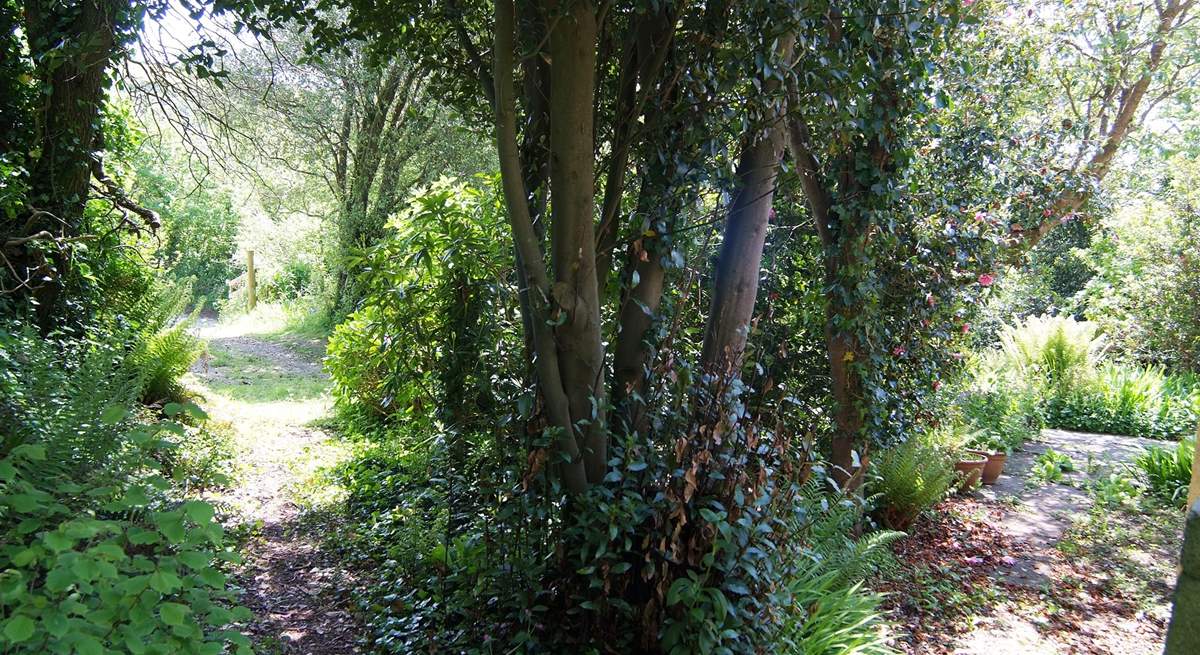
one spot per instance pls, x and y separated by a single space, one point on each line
1028 566
1037 567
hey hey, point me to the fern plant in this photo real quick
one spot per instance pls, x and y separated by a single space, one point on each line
908 479
166 348
1055 349
1168 470
832 613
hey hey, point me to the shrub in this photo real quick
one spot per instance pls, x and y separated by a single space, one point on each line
831 612
1051 350
908 479
162 349
433 317
1168 471
294 280
1003 419
1132 400
198 223
1114 490
99 551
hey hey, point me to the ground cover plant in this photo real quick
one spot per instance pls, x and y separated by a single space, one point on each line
566 326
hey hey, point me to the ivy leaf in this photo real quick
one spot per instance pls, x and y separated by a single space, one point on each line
140 537
57 541
212 578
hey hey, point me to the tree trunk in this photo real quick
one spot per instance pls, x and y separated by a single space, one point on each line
572 50
530 263
846 388
738 266
68 120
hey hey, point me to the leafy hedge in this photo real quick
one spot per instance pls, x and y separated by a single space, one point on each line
1132 400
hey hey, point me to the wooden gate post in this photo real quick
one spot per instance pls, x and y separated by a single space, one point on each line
250 283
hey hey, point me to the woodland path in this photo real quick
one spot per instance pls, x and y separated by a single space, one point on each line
1080 581
270 390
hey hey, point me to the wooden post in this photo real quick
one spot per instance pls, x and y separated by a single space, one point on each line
1183 633
250 284
1194 487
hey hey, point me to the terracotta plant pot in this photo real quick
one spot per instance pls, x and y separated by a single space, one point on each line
970 469
994 467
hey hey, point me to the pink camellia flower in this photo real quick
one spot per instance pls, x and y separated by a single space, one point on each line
981 216
1046 213
986 280
898 351
968 3
966 328
937 385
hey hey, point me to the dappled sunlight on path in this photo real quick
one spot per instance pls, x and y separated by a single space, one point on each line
272 391
1083 582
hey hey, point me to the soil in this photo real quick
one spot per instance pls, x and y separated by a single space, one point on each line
298 592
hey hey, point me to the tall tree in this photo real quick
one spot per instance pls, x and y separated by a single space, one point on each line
59 75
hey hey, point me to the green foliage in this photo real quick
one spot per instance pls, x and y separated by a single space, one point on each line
1054 351
1148 270
830 612
197 241
1132 400
1050 466
1168 471
100 553
1055 366
435 284
200 457
909 479
1114 490
164 348
294 280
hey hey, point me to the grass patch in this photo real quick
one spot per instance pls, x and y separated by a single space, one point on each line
302 319
252 379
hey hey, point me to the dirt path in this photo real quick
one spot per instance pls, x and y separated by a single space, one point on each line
1079 583
270 391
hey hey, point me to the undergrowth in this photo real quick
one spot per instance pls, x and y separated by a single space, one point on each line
102 549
